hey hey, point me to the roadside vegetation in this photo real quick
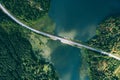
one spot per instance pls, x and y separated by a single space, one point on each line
27 9
18 61
20 55
34 13
102 67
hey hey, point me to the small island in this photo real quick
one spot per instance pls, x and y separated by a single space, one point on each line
107 38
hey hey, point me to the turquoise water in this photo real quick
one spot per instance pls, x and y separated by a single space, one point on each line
82 16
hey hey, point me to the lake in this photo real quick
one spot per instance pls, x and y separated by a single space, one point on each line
78 20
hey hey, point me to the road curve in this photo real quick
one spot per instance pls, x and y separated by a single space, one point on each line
63 40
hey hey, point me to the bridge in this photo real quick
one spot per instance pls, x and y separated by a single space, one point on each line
63 40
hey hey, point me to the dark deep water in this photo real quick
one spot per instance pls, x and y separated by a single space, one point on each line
82 16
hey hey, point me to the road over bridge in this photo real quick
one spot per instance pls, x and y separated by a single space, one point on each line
63 40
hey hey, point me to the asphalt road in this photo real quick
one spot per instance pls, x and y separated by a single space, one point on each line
63 40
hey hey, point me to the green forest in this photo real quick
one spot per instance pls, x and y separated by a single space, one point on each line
107 38
27 10
20 49
18 58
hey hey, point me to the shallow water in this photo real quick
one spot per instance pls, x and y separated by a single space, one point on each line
77 19
81 15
